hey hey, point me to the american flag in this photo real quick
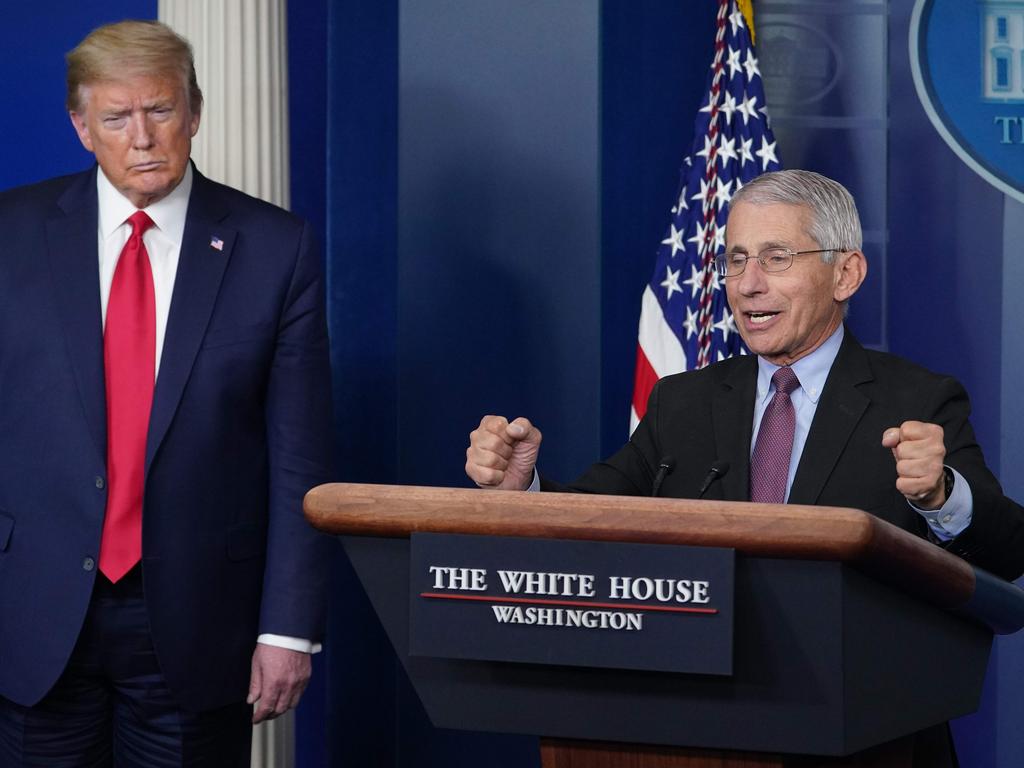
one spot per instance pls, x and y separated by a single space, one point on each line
685 321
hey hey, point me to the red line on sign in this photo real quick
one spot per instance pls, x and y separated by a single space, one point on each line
541 601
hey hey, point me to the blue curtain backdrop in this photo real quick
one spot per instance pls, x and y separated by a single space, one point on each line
490 180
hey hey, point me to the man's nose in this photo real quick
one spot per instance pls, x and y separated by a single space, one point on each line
141 131
751 280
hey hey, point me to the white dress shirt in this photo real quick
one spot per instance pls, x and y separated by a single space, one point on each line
163 244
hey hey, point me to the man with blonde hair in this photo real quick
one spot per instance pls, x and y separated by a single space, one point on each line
164 407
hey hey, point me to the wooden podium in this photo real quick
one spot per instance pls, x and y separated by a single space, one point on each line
851 635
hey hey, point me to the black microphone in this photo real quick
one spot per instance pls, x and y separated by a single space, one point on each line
717 471
668 463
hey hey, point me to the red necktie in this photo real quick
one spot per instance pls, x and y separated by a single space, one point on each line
769 466
129 358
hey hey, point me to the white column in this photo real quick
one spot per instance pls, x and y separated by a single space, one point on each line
241 61
242 67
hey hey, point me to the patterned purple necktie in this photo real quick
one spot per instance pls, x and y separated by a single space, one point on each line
769 466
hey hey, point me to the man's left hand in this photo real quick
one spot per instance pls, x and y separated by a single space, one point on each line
279 676
919 451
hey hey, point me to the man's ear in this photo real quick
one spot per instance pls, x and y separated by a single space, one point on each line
851 268
82 129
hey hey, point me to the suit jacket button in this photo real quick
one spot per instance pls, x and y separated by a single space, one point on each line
99 482
88 564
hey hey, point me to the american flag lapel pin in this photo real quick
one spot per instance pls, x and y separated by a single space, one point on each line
216 243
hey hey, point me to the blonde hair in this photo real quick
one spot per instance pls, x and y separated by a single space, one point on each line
131 48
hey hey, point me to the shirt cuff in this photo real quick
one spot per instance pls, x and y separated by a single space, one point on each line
291 643
535 485
952 518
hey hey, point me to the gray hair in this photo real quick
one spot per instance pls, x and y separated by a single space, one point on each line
129 48
834 221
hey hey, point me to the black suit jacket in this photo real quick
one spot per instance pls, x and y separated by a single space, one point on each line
704 416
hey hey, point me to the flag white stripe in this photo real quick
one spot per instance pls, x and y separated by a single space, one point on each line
659 343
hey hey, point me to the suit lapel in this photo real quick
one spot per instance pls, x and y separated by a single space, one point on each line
201 268
732 414
839 410
71 246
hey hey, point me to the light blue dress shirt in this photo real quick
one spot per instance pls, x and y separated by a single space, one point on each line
812 371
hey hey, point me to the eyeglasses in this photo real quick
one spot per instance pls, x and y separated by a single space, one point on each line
770 259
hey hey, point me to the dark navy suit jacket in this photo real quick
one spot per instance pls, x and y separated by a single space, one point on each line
239 431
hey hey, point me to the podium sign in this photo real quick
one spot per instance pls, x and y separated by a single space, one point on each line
578 603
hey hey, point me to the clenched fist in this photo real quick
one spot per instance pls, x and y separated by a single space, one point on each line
919 451
502 454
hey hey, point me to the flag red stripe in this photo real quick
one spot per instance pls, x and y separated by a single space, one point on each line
643 382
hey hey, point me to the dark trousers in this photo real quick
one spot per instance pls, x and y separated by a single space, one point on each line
111 707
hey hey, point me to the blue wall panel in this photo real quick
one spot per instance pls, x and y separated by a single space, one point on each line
825 76
307 106
499 310
654 67
38 139
946 283
360 204
946 241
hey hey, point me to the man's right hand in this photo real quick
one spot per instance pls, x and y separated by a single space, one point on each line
502 454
